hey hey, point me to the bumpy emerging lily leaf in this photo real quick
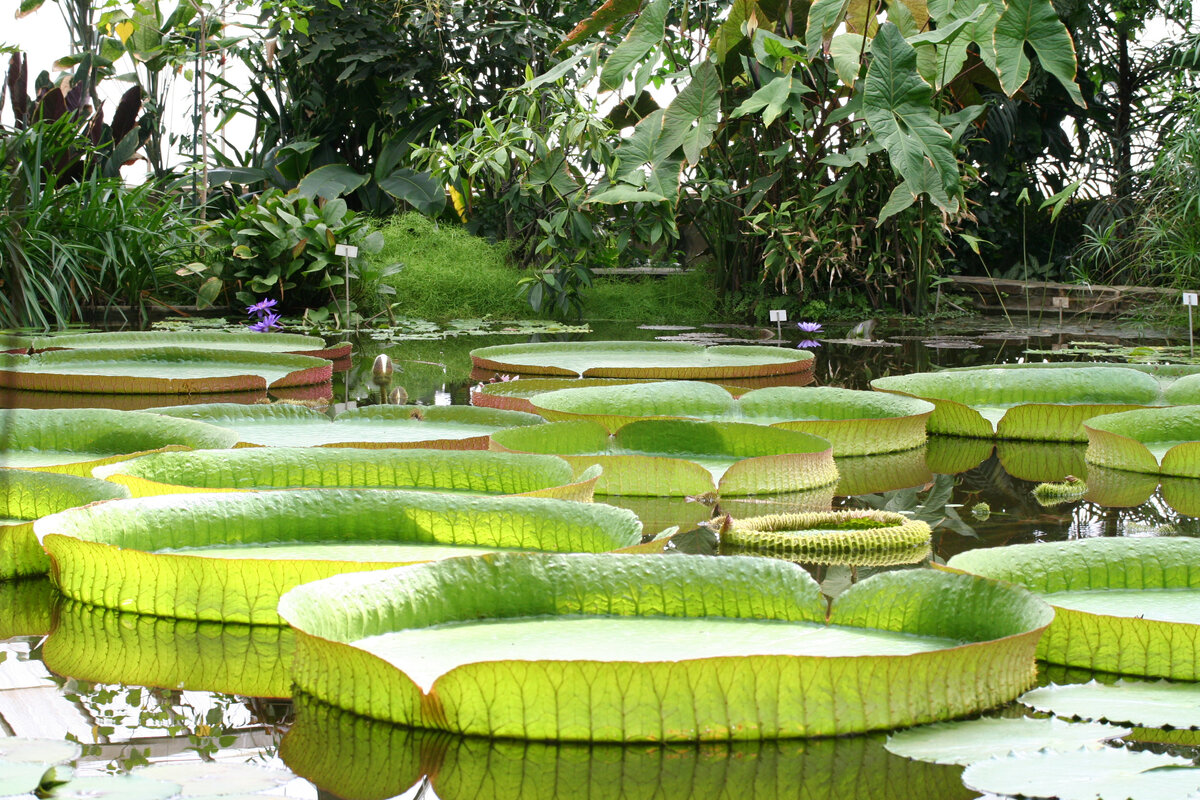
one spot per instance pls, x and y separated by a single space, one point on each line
829 536
26 495
442 427
227 557
856 423
26 608
683 457
1146 704
1010 403
251 341
468 471
679 360
74 441
514 395
1105 774
161 370
1154 440
1123 605
978 739
100 645
686 513
364 759
638 631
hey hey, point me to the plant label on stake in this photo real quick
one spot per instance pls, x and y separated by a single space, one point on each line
1060 303
1191 299
347 251
778 316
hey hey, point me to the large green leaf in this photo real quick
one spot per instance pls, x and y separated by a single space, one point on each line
683 457
691 119
635 694
1154 440
160 370
1129 643
1105 774
979 739
829 537
421 190
646 34
443 427
1145 704
295 343
514 395
26 495
1034 23
663 360
111 555
331 181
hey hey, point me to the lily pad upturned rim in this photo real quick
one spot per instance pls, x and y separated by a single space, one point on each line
105 554
827 536
1122 441
1127 645
269 342
780 361
748 697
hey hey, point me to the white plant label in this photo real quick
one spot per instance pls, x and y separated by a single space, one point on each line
348 250
778 315
1191 299
1060 302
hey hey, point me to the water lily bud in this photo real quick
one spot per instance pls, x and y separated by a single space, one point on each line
381 370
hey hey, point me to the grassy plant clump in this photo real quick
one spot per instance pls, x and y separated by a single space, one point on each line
689 298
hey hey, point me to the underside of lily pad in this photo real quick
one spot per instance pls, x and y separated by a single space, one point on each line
831 537
1010 403
161 370
467 471
1153 440
668 457
283 425
663 360
1123 605
669 648
226 557
295 343
76 440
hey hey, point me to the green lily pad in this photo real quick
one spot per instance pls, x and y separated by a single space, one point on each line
26 609
46 752
514 395
99 645
1150 574
467 471
226 557
670 360
782 671
1146 704
197 778
829 537
1011 403
978 739
118 787
682 457
252 341
26 495
75 441
20 778
1153 440
443 427
1105 774
161 370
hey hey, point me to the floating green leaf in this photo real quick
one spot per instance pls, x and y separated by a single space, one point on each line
978 739
664 360
197 778
294 343
886 638
514 395
1157 704
829 537
117 787
1154 440
218 564
1105 774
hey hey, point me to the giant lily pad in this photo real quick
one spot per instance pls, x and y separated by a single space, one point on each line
161 370
988 737
468 471
226 557
26 607
365 759
679 360
1154 440
856 423
831 537
682 457
1104 774
294 343
26 495
669 648
1123 605
514 395
100 645
78 440
281 425
1041 404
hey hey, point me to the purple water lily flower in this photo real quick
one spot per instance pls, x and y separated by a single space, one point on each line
268 321
809 327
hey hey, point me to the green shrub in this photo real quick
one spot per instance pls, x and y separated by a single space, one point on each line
686 299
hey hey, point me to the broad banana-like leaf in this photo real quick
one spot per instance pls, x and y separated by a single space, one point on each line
1040 404
662 360
830 537
1153 440
467 471
1122 605
659 674
160 370
683 457
226 557
26 495
421 190
364 759
294 343
441 427
331 181
1034 23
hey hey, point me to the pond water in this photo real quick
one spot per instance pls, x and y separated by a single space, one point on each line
133 689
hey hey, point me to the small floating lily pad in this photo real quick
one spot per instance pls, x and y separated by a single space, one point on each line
829 536
281 425
294 343
161 370
1146 704
1105 774
682 457
77 440
977 739
664 360
637 631
1149 633
1153 440
226 557
1011 403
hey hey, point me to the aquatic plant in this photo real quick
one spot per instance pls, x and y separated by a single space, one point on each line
1153 440
830 536
1068 490
294 343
